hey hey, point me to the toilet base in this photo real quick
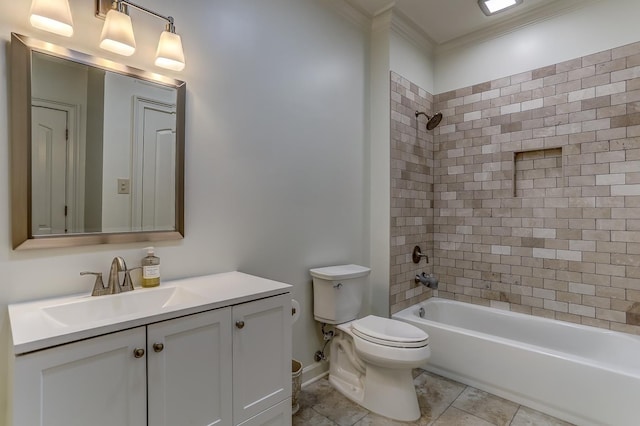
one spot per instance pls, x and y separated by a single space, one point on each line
389 392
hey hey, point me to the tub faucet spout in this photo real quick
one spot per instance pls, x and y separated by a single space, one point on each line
429 280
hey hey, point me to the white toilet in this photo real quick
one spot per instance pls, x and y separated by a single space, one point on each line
371 358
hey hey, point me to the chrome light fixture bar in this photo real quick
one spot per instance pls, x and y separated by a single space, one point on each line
491 7
117 34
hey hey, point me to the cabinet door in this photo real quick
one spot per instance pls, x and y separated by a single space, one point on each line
278 415
97 382
261 355
189 376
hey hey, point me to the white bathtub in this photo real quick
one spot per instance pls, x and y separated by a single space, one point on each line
584 375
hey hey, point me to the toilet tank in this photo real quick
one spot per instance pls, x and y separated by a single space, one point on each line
338 292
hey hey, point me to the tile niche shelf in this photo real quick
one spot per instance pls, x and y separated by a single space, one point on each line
538 173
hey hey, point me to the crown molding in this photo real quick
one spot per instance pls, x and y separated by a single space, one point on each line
403 26
532 17
389 5
389 17
382 21
350 12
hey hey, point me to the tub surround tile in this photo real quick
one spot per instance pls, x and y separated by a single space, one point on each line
633 314
561 195
412 186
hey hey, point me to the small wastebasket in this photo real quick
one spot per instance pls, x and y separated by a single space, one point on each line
296 378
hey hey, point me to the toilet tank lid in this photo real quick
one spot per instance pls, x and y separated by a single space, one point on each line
341 272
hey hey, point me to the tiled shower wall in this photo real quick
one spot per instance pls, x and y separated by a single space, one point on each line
537 191
411 191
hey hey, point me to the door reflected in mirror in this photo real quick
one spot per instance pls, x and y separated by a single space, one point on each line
103 150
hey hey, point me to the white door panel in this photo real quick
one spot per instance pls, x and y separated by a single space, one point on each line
48 170
153 189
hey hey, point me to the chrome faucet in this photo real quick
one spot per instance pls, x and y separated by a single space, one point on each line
98 287
117 265
429 280
113 283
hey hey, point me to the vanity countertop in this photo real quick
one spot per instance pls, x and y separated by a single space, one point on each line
44 323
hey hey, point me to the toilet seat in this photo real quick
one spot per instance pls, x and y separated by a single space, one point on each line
389 332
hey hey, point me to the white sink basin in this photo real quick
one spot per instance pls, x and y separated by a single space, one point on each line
101 308
40 324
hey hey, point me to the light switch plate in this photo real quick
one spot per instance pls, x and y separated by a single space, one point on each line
124 186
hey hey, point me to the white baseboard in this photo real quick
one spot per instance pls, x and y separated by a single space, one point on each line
313 372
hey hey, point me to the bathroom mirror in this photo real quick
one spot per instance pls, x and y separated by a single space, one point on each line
97 150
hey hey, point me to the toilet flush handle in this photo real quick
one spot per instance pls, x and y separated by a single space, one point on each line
337 285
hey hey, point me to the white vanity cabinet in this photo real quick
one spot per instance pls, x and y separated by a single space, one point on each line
212 369
189 370
226 366
96 382
261 357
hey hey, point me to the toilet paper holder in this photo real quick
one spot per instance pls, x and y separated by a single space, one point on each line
295 310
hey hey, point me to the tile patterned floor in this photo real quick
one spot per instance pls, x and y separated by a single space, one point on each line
443 402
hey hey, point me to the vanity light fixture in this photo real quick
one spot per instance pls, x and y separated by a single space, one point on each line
117 35
52 15
491 7
169 54
117 32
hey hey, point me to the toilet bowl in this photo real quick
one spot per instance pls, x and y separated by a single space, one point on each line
388 343
371 358
375 372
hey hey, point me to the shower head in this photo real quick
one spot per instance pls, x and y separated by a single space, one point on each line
433 121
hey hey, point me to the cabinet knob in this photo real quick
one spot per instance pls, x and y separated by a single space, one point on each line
240 324
158 347
138 352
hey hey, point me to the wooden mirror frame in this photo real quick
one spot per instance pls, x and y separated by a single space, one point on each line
20 81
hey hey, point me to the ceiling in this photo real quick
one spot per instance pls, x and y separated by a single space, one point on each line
446 20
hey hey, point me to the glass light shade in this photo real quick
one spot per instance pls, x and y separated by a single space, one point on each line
53 16
169 54
117 34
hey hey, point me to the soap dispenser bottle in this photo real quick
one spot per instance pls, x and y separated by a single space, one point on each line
150 269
